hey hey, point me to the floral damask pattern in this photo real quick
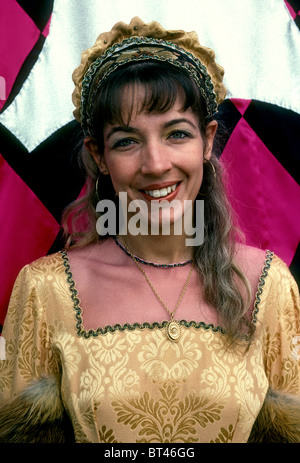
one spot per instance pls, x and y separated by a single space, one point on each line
162 360
168 419
224 436
131 384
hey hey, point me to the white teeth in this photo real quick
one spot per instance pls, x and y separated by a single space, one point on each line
161 193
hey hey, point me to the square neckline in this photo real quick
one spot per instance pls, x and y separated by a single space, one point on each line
102 330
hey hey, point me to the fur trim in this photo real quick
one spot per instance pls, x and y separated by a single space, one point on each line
278 420
36 415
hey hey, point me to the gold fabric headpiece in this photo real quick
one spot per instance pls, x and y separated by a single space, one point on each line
141 42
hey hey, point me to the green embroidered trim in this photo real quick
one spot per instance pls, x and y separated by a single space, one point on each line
264 274
81 331
202 325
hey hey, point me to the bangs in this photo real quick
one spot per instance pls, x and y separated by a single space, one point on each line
161 83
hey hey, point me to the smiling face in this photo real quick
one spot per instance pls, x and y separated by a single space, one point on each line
156 156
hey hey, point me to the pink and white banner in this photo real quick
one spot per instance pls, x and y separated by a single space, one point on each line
257 42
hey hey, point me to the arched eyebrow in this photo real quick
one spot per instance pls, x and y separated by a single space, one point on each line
121 128
178 121
129 129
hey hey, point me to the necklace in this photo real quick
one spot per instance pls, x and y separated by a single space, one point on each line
173 327
152 264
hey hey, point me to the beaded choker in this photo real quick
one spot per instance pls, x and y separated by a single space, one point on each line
173 328
152 264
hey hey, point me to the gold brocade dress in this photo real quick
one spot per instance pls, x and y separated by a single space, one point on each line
129 383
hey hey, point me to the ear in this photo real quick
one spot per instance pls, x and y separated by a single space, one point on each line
210 133
92 147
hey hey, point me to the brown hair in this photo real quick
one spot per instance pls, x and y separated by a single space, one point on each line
214 259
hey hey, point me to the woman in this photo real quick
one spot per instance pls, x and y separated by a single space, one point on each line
146 338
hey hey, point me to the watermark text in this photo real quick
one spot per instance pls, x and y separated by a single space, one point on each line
160 217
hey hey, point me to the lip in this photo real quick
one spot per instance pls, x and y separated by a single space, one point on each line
169 197
159 186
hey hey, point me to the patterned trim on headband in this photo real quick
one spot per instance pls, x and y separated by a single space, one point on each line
143 49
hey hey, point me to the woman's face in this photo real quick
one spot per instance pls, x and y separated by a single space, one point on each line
157 156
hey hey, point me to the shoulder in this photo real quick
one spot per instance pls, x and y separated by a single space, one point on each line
270 276
45 263
265 270
248 255
104 252
252 262
33 280
260 264
281 278
41 268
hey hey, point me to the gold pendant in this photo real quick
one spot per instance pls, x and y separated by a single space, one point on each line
173 330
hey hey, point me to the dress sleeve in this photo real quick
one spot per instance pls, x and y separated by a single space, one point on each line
26 352
282 330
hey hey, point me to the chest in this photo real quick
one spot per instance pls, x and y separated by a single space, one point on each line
110 295
139 387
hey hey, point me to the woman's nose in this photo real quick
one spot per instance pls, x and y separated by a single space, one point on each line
155 159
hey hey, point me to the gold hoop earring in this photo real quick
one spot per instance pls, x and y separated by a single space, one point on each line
96 188
102 172
214 179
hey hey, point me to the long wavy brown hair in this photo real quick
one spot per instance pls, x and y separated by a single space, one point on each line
226 288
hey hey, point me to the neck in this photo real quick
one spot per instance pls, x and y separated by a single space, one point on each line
159 249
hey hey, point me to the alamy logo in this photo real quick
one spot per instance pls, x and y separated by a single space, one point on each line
165 217
2 88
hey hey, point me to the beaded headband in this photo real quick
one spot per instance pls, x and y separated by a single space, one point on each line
138 42
142 49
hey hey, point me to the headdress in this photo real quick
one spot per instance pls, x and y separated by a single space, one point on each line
138 41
